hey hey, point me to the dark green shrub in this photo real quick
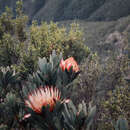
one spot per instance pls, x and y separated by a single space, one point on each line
9 51
27 66
8 80
12 35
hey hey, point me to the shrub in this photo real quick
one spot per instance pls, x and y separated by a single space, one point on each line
85 85
27 66
48 37
116 105
9 51
12 35
96 79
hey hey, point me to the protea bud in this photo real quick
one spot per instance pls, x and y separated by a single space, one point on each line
68 63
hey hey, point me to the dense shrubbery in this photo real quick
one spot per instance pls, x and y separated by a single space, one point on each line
105 85
30 76
114 106
45 38
21 46
49 84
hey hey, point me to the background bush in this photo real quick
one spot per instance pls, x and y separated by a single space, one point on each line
104 84
48 37
115 105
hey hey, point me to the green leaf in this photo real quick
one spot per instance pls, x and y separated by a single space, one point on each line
90 117
122 124
42 63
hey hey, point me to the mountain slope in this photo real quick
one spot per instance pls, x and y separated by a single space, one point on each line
96 33
57 10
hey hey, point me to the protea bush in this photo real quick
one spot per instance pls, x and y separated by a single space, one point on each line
43 103
47 110
45 97
55 72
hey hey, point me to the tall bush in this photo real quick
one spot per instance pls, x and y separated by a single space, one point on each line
48 37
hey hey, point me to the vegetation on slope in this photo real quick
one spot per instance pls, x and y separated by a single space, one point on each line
97 33
57 10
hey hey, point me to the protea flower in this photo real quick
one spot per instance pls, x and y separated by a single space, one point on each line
68 63
43 97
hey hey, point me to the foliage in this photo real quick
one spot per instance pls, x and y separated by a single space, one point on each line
65 116
47 71
50 73
21 46
85 86
48 37
28 65
77 119
121 124
12 112
8 78
11 38
116 105
96 80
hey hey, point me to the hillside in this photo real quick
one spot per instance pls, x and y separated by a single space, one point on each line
105 36
57 10
106 16
95 32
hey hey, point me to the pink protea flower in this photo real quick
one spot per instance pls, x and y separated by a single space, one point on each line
43 97
68 63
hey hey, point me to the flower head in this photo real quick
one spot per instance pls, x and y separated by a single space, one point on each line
68 63
43 97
